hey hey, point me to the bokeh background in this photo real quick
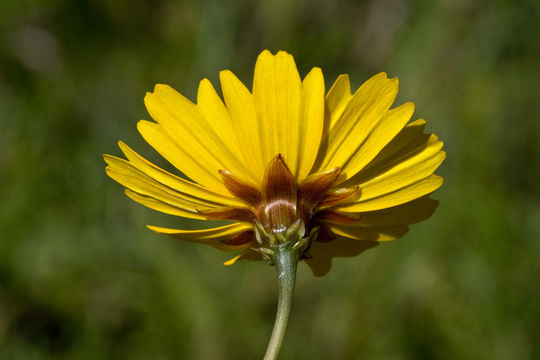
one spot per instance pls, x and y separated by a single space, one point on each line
81 277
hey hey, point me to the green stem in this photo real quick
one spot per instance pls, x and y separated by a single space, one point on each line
285 259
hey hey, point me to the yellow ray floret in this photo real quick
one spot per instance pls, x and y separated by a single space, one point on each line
186 188
216 237
362 112
337 99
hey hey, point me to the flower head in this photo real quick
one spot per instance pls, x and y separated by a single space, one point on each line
344 171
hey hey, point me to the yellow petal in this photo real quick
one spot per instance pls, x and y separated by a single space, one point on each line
311 123
192 131
408 139
277 94
363 111
246 126
401 196
398 172
232 261
420 149
219 121
402 175
190 157
370 233
161 206
216 237
186 188
247 254
337 99
408 142
323 252
125 174
386 129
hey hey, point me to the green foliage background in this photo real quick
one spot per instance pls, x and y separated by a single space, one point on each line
81 277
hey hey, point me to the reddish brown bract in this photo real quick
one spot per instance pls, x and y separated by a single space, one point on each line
282 202
279 197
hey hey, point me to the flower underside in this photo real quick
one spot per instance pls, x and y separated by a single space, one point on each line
282 203
339 170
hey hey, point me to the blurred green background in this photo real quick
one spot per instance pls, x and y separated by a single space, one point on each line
81 277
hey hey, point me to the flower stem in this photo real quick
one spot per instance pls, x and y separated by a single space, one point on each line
286 260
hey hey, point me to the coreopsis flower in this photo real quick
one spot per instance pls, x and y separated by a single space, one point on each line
328 174
347 165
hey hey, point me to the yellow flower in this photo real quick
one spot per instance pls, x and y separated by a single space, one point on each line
344 167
